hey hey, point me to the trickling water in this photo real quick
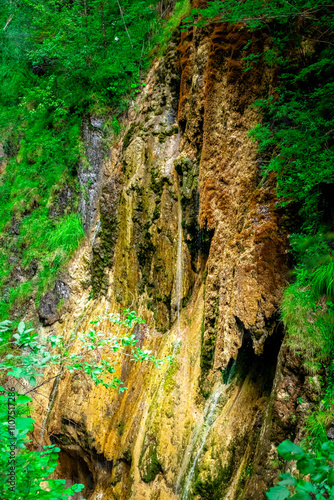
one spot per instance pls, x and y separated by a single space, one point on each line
231 371
179 270
98 225
90 178
209 417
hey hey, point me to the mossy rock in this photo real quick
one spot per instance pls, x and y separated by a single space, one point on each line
211 482
149 465
209 341
128 136
169 380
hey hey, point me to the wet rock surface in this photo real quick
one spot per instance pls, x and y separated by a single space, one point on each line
90 169
190 238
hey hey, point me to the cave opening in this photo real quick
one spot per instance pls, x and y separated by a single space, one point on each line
73 467
260 367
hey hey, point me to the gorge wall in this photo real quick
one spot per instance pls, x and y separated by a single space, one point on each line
187 233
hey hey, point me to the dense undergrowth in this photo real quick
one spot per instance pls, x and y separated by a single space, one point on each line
296 141
60 61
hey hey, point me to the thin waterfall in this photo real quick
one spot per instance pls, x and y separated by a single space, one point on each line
210 415
179 266
98 225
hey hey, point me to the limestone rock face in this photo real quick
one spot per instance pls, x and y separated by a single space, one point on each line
187 234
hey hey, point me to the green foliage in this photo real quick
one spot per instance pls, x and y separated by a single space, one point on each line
323 276
25 473
30 356
181 9
60 62
315 477
300 125
306 313
256 14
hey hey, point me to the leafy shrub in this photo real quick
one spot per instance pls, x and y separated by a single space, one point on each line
315 477
26 474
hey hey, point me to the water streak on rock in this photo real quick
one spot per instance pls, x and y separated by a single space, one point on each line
98 225
179 270
209 417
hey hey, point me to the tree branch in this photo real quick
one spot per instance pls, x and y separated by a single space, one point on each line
126 29
45 382
9 20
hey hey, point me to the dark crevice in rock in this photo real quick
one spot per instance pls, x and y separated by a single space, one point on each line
48 310
79 461
263 366
106 238
73 467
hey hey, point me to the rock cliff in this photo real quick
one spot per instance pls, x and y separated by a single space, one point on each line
187 233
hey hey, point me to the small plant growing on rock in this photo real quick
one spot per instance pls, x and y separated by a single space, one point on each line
30 355
315 478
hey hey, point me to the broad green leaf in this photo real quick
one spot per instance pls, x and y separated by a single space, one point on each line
16 372
24 423
306 465
330 479
301 495
327 448
303 485
320 475
286 479
20 327
277 493
78 487
23 399
290 451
